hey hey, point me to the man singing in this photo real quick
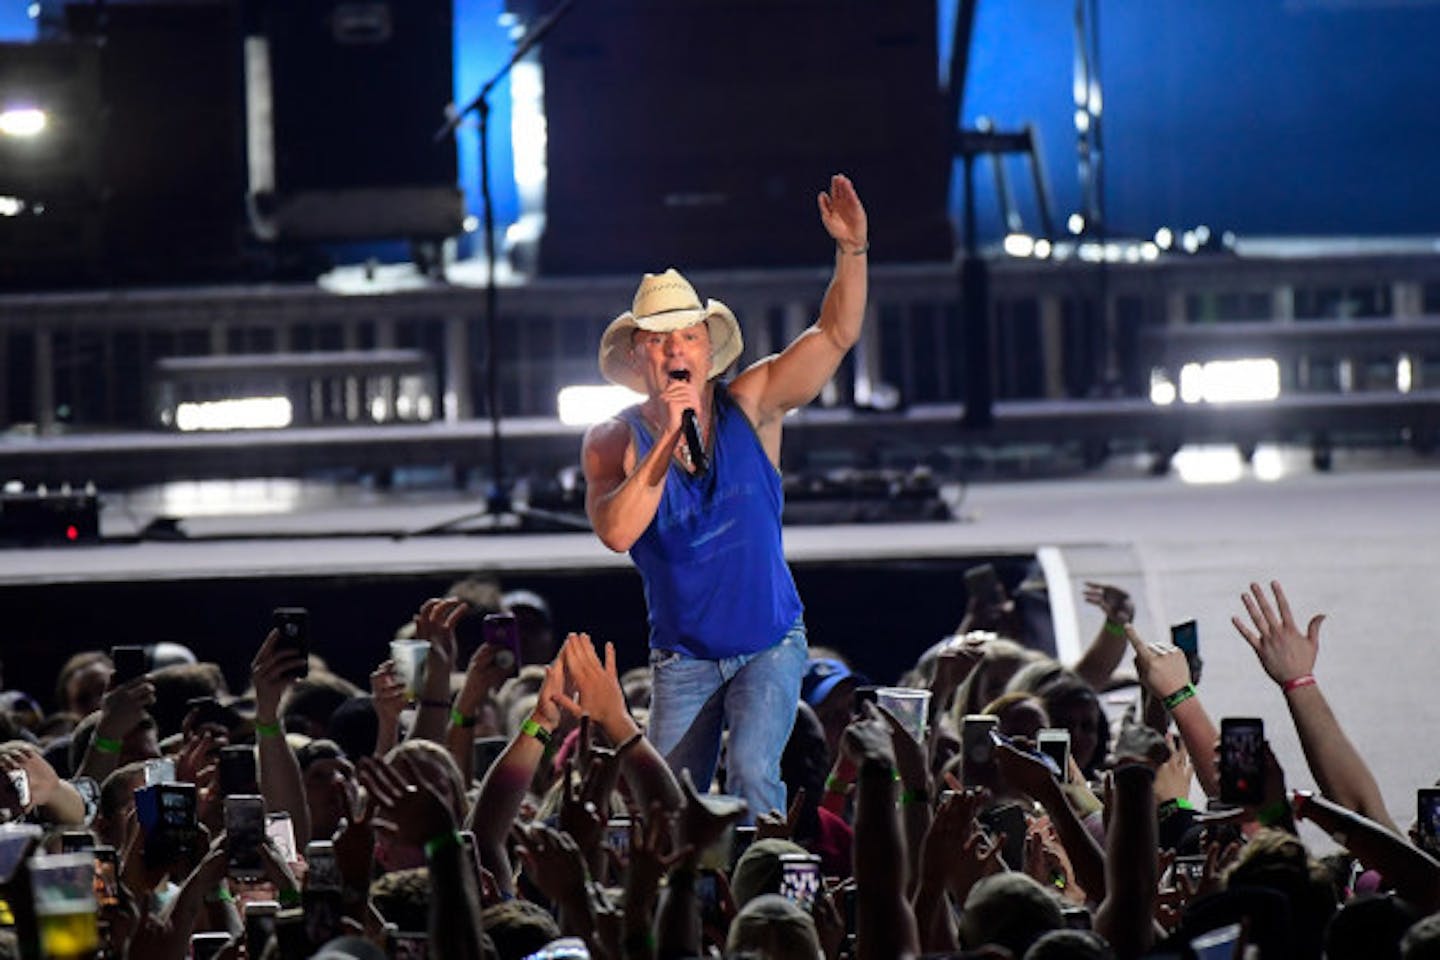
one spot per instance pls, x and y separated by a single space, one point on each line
689 482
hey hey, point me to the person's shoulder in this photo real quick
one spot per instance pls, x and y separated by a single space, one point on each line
612 434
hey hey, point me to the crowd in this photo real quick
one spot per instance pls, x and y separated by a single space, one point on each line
498 797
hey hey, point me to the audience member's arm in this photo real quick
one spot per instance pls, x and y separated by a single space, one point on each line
503 790
436 623
121 710
387 692
1414 874
885 925
1165 672
58 799
914 768
1031 777
952 838
1288 656
650 838
167 936
1131 872
481 676
421 818
281 784
555 864
598 687
1097 664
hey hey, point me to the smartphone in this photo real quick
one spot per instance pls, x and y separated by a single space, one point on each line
860 696
617 837
978 749
237 772
159 770
1427 819
800 878
1242 760
244 835
1191 867
293 625
1218 944
207 710
324 869
740 842
502 630
1054 742
73 841
259 926
176 834
130 664
62 886
1186 636
16 842
204 946
280 831
1009 819
107 879
483 754
982 583
20 783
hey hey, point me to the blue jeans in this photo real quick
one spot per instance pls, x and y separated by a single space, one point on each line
756 693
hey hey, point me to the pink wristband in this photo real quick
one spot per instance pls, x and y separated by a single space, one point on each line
1295 683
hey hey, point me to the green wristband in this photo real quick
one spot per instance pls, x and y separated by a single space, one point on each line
450 838
458 719
268 729
1180 696
532 729
105 745
289 897
909 797
1115 629
1275 815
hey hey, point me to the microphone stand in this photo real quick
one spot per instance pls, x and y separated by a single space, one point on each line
498 505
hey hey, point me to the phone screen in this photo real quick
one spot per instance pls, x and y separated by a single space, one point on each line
502 630
800 878
740 841
1242 760
244 833
237 770
293 624
259 925
281 832
1186 636
978 750
859 698
324 873
16 839
107 882
617 836
1055 744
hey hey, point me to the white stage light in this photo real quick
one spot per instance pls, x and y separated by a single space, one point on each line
1230 381
23 122
249 413
1019 244
583 405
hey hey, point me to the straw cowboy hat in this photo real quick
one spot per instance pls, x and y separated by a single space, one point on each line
665 302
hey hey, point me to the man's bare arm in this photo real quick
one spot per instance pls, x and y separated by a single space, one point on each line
621 496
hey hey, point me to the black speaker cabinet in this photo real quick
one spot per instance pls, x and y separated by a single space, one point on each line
356 91
698 132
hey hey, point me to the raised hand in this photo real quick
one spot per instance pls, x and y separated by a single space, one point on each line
411 809
843 215
868 740
435 622
703 821
553 861
1115 603
272 672
1162 667
595 684
482 675
1285 652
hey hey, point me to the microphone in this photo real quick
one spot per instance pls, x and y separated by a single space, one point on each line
688 427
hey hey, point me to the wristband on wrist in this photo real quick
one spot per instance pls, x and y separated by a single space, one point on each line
450 838
105 745
857 252
268 729
1115 629
289 897
1170 806
834 784
1179 696
458 719
221 894
532 729
1295 683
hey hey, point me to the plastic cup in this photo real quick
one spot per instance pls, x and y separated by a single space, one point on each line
909 705
64 891
409 657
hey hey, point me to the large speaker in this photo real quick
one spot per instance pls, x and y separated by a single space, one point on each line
344 99
698 132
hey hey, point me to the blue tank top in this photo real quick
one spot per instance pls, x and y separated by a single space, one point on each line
712 561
